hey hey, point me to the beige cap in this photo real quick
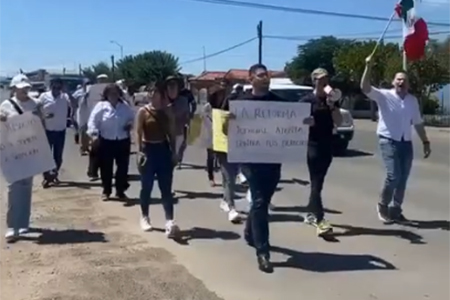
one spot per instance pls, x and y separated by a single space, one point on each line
318 73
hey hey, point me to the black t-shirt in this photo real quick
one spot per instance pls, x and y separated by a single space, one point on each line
322 131
267 97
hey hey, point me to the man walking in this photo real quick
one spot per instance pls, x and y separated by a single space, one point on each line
325 115
398 110
262 178
56 103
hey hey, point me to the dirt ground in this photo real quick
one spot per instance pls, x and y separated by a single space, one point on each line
76 252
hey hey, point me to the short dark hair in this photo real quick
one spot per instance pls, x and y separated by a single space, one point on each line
110 88
255 67
56 80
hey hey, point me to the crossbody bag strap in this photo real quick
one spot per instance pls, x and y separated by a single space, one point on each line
16 106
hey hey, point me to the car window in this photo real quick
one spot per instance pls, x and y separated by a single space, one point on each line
291 94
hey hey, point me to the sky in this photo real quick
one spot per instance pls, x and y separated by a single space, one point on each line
56 34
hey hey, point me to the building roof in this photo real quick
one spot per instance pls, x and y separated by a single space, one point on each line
232 74
209 75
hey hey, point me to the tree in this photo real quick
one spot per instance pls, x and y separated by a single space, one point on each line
141 69
313 54
100 68
427 75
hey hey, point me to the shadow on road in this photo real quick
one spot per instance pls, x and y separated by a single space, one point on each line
329 262
349 230
295 180
286 218
77 184
302 209
190 166
195 195
62 237
201 233
355 153
436 224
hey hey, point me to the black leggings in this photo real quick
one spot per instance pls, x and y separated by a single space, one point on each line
210 163
319 160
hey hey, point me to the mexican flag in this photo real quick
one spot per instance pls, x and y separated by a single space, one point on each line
415 30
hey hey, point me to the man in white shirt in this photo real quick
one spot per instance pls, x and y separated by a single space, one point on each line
56 103
398 111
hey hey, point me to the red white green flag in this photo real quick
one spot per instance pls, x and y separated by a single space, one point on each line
415 32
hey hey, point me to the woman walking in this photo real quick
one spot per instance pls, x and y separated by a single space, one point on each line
19 192
229 170
109 127
155 138
206 141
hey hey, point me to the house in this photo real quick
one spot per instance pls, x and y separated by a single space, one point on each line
210 79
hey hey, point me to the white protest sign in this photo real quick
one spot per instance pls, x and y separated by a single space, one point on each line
94 95
268 132
24 148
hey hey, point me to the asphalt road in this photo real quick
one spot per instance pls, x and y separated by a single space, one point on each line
366 260
365 140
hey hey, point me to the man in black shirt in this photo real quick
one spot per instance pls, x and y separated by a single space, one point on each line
262 178
325 115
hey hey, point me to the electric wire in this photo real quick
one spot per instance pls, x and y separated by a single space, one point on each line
305 11
219 52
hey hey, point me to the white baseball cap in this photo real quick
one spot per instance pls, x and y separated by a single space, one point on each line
20 81
102 76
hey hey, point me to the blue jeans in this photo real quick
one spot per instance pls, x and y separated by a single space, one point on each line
19 204
263 180
397 159
57 140
229 173
158 162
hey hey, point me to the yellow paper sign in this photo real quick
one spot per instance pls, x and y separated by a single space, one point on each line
220 140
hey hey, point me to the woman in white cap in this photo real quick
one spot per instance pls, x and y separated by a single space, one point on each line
19 192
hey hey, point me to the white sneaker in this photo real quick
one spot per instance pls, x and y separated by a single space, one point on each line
224 206
145 224
233 216
23 230
11 235
171 229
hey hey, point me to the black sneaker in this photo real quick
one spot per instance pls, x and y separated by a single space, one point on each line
397 216
383 213
264 264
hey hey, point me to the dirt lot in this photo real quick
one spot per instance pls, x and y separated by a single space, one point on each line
76 252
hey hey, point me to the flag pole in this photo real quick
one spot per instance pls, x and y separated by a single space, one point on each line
383 34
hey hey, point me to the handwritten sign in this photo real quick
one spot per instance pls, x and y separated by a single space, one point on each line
24 148
220 140
267 132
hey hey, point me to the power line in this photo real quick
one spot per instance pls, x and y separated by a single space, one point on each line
218 52
304 11
360 37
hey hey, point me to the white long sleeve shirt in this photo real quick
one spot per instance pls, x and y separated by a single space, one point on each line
396 115
58 107
109 122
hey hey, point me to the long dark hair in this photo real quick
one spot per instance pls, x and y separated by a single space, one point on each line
112 87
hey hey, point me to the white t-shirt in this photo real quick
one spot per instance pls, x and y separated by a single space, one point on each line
396 115
7 108
58 106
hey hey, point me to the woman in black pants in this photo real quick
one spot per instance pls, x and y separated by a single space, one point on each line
109 127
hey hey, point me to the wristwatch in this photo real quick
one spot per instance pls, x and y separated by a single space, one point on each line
426 142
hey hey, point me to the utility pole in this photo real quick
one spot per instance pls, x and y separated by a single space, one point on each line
120 47
113 68
260 38
80 70
204 59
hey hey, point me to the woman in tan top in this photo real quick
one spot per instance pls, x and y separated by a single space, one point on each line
155 137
